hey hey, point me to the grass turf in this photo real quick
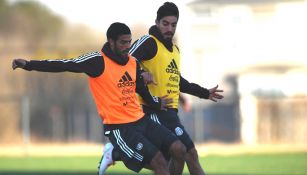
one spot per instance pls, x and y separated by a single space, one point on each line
242 164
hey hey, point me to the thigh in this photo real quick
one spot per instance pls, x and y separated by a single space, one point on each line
134 148
171 121
159 135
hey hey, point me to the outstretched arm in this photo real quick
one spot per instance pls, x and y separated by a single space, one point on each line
92 64
198 91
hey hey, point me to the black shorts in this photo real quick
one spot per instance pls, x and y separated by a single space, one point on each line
138 142
171 121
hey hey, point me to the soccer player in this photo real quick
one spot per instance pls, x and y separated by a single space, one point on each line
114 79
159 56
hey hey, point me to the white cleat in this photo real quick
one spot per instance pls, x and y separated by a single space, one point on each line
106 159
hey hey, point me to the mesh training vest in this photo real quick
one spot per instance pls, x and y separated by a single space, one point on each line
165 68
114 92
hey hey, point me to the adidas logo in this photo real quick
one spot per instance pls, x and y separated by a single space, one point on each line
172 68
126 80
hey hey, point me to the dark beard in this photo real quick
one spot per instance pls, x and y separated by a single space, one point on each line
167 43
122 54
169 35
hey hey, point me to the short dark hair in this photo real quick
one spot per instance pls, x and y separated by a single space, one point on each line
167 9
117 29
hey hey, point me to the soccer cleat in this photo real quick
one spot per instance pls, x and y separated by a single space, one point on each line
106 159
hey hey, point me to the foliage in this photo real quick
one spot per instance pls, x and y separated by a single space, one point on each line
28 23
30 30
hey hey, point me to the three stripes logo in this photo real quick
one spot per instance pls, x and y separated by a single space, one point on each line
172 68
126 80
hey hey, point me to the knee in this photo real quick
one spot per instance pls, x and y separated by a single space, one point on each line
178 150
158 162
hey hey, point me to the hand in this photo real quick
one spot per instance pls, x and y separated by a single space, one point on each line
18 63
214 95
165 102
148 78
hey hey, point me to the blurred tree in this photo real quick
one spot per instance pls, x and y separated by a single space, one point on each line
3 14
60 104
34 23
30 30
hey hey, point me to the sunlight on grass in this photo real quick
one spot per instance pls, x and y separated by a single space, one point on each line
254 164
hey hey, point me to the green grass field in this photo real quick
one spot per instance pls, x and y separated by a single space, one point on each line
242 164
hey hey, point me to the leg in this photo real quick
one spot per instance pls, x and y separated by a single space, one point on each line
169 144
106 159
158 164
176 165
136 150
191 157
177 151
172 122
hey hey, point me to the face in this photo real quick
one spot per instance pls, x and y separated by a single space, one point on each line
121 45
167 26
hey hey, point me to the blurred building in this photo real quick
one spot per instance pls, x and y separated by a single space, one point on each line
273 104
260 45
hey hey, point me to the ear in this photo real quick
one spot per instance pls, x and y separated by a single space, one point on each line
157 22
111 42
